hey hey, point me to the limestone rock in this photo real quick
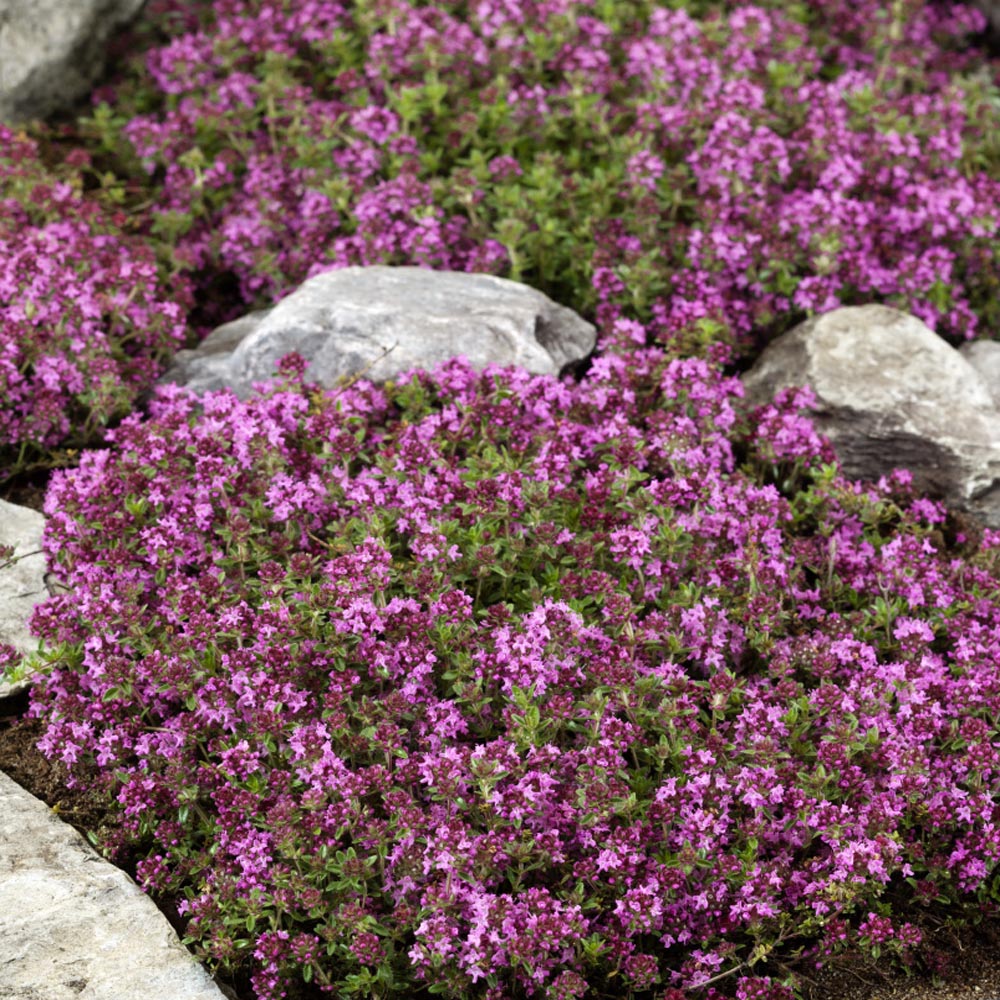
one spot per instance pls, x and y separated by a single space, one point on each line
52 51
984 356
74 927
891 393
382 321
22 583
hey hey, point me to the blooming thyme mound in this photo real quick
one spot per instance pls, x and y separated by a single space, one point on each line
86 319
715 172
700 178
485 684
497 686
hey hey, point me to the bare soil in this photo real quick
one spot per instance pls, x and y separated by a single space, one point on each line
972 973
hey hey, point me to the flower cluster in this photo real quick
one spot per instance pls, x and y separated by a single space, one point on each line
696 178
85 318
718 176
485 684
510 686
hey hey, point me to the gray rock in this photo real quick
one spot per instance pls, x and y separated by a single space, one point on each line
984 356
382 321
22 582
52 51
891 393
991 8
74 927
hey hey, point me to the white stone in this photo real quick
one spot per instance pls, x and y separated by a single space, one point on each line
75 927
382 321
984 356
22 582
892 394
51 51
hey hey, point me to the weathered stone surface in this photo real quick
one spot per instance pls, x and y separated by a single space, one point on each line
345 321
74 927
891 393
52 51
22 582
984 356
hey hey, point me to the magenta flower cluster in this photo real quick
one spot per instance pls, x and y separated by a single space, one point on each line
85 318
718 177
691 177
485 684
511 687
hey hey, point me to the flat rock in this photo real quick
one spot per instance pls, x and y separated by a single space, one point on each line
22 582
74 927
382 321
891 393
52 51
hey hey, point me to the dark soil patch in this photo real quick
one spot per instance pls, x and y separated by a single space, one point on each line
26 491
968 962
82 807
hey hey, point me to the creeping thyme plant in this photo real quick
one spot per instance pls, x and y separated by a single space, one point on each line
485 684
86 317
